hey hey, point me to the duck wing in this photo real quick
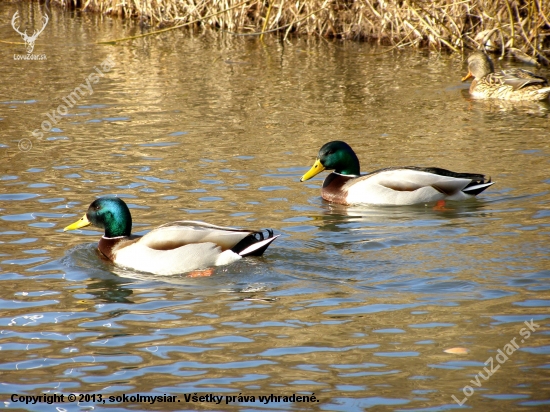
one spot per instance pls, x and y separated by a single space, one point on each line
516 78
410 178
176 234
447 173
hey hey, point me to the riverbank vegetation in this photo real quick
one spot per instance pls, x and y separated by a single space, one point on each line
519 27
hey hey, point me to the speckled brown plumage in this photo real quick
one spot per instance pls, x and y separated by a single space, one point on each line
511 84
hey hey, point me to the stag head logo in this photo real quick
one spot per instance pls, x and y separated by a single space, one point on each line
29 40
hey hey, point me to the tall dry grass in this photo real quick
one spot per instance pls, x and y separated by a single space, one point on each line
501 25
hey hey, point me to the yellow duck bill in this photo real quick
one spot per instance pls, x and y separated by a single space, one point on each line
315 170
82 222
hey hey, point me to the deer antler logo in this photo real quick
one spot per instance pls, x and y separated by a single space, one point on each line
29 40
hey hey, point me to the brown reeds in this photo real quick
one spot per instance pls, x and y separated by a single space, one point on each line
498 25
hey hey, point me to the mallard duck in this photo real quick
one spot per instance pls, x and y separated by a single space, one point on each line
511 84
170 249
390 186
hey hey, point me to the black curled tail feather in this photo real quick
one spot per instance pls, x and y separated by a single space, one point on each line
255 243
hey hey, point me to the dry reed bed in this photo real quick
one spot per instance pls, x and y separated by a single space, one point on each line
500 25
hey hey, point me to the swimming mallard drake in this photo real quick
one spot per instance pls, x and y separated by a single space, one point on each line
511 84
390 186
173 248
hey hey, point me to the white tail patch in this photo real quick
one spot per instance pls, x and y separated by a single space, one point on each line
477 187
258 245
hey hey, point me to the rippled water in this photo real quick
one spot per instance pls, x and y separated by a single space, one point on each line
354 306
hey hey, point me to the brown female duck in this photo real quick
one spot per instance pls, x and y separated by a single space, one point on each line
511 84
